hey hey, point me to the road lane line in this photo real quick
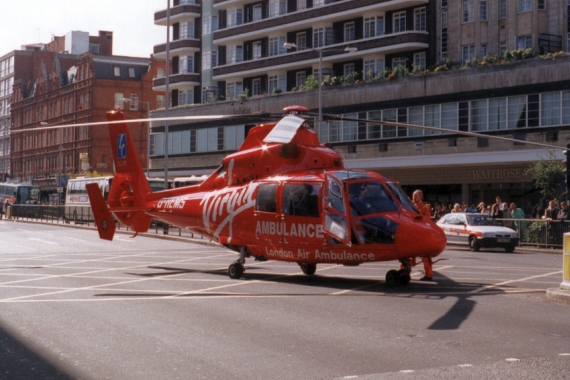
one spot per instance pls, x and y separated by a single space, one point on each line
486 287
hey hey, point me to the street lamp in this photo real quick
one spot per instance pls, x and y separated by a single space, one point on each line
289 45
129 100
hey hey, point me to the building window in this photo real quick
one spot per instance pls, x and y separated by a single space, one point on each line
525 6
484 51
399 22
134 102
131 72
502 47
277 7
420 19
233 89
369 27
234 54
373 68
277 83
467 11
524 42
502 9
209 59
185 97
541 5
117 71
160 101
443 38
300 78
349 32
550 109
479 115
187 29
256 50
318 37
257 14
497 113
119 100
210 24
318 3
276 46
398 61
467 52
235 17
349 71
301 5
301 41
256 87
186 64
483 10
420 60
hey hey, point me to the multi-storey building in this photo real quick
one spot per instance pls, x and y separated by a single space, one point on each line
524 99
62 88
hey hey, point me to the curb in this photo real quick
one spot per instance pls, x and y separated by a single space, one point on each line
559 294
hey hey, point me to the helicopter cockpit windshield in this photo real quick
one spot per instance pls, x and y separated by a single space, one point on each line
367 201
367 198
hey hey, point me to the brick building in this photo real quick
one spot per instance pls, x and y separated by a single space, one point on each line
63 88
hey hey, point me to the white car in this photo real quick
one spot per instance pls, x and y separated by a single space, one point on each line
477 231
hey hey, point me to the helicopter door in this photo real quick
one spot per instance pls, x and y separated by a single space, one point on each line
265 213
336 224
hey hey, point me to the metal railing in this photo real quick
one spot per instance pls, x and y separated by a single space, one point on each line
81 215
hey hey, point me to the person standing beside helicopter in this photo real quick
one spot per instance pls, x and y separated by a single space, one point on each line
417 199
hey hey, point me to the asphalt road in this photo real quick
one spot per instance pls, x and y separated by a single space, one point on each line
75 307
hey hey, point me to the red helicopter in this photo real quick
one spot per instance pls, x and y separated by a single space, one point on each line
282 196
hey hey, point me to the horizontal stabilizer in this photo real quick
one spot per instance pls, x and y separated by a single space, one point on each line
285 130
103 218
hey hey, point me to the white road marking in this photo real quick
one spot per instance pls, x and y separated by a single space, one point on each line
486 287
42 241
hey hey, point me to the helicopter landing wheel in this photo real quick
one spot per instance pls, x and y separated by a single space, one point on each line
235 270
405 277
308 269
393 278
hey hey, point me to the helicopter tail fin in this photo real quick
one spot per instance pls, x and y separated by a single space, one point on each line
103 218
129 191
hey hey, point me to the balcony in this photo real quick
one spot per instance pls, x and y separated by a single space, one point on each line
178 13
178 47
388 44
176 81
333 12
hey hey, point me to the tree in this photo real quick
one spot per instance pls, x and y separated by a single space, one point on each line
548 176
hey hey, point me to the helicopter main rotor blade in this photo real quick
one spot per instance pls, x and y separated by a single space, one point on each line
284 130
146 120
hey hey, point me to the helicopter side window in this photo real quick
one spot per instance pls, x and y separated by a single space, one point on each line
334 197
266 197
301 200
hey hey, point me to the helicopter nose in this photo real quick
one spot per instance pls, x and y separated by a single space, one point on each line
420 238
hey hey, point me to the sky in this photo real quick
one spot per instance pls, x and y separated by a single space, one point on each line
35 21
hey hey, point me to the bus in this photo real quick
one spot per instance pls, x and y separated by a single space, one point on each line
189 181
19 193
77 207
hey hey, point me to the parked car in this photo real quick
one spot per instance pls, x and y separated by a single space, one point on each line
477 231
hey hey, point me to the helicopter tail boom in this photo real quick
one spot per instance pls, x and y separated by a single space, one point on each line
129 190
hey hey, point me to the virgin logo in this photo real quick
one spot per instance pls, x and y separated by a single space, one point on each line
219 207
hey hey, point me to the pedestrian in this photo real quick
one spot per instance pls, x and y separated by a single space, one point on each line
417 198
516 213
507 216
536 212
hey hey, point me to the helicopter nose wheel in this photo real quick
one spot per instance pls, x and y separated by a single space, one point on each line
308 269
235 270
398 277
